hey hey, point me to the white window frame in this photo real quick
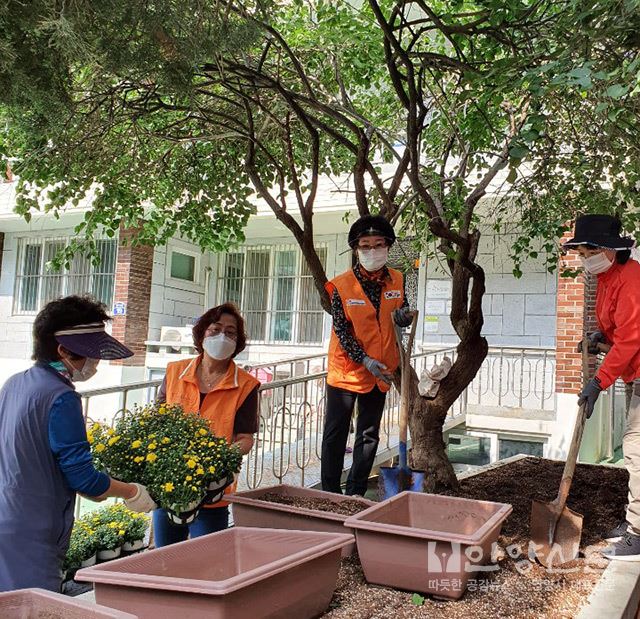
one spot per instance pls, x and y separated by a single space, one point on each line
270 310
67 277
176 282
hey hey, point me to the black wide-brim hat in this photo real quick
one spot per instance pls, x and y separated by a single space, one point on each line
599 231
92 341
371 225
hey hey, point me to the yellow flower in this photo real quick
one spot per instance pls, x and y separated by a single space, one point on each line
100 447
138 459
211 444
191 464
113 440
110 432
202 432
168 487
151 457
90 437
212 469
152 445
200 471
166 440
188 477
121 532
136 444
162 410
194 488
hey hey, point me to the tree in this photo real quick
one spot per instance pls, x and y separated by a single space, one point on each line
168 114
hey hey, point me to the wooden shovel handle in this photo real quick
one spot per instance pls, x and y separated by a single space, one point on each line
405 368
574 448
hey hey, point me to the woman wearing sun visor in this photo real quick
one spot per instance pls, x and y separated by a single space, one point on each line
44 453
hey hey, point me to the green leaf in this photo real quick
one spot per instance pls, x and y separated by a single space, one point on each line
417 599
617 91
512 176
518 152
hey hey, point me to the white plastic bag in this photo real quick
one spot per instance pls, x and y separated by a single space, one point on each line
430 379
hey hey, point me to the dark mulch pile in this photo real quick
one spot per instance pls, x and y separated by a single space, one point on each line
348 507
519 589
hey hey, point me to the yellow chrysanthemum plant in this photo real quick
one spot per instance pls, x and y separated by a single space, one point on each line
174 454
106 528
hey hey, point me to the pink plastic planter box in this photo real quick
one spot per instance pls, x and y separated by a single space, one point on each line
41 604
427 542
239 573
250 511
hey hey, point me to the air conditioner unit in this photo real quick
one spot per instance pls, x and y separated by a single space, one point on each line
179 335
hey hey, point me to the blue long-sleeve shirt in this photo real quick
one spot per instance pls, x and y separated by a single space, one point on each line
69 444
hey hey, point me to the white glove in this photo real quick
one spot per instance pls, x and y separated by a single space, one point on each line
141 501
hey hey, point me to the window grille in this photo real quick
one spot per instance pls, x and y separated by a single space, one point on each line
274 289
37 283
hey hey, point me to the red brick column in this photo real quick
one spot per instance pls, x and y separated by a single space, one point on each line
575 314
133 288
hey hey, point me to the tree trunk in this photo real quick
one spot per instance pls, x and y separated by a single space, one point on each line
427 417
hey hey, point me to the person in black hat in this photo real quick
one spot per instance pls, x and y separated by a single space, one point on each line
362 352
44 452
605 253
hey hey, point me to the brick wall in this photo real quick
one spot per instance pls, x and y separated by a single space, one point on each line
575 315
133 288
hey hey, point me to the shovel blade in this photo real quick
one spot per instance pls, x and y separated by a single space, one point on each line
394 480
554 540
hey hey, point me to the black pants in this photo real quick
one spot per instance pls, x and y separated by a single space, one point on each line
340 404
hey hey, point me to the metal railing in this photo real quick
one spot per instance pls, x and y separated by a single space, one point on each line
516 377
288 442
286 368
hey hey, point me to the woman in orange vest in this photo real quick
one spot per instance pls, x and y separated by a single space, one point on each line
215 387
362 352
606 254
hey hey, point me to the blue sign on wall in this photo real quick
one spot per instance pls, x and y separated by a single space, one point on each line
119 309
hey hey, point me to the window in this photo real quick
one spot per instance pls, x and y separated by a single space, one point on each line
37 284
274 289
463 449
509 447
183 266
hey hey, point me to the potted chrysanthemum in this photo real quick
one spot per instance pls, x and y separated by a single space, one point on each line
174 454
82 549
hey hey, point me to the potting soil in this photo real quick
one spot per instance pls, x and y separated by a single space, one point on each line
348 507
516 587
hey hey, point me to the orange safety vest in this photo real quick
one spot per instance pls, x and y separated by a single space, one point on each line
219 406
375 335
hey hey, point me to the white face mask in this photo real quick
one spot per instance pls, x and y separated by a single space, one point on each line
219 346
374 258
598 263
88 370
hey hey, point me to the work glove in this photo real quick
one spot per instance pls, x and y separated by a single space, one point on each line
379 370
141 501
594 338
403 317
589 395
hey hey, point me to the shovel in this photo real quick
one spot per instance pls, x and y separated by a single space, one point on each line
395 479
556 529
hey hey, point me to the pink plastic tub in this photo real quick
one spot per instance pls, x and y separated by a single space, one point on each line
234 574
427 542
41 604
250 511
